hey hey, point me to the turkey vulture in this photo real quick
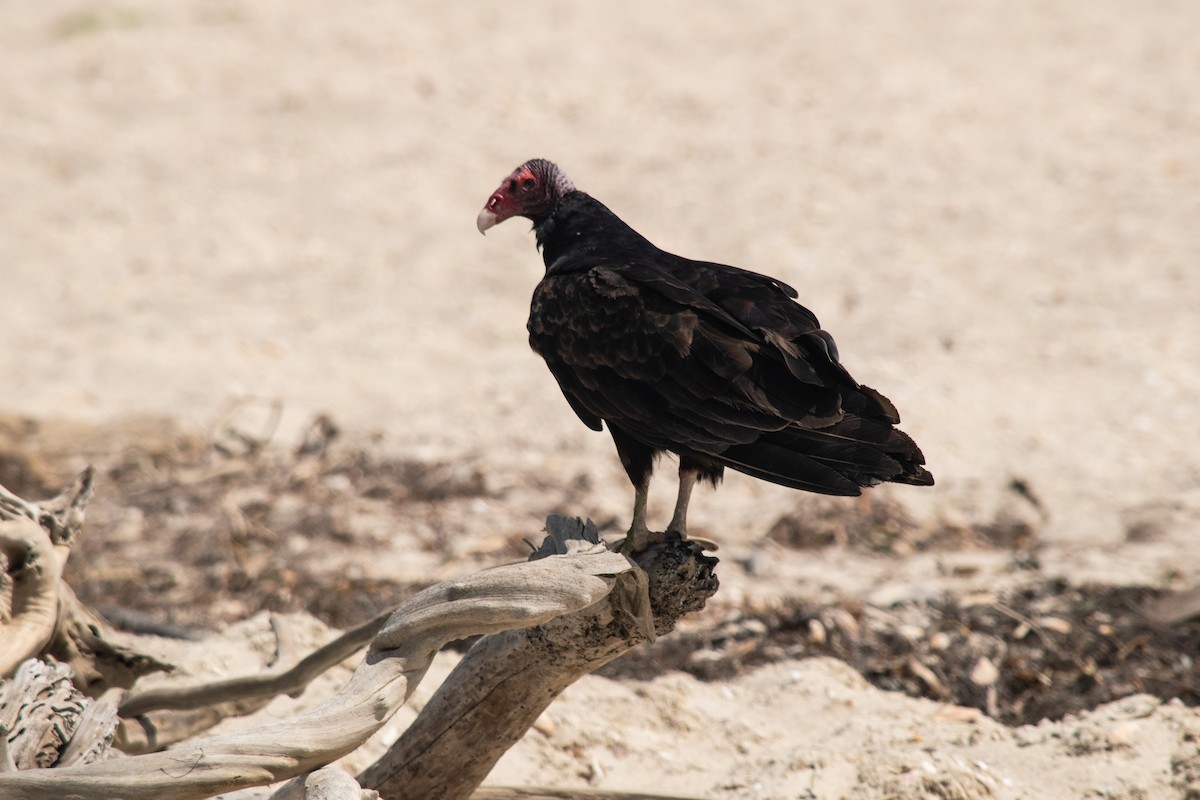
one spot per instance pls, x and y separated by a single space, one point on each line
716 364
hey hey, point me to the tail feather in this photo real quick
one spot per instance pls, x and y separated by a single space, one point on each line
839 459
783 466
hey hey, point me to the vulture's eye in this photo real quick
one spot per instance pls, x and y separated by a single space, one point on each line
529 183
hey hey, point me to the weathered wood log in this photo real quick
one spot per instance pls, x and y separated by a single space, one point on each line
46 722
507 680
495 600
35 540
484 793
94 735
329 783
39 614
288 677
520 793
160 716
61 516
32 570
101 658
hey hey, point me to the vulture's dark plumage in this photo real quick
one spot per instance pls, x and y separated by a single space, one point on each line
713 363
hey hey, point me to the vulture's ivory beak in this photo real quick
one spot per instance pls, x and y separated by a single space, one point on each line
485 220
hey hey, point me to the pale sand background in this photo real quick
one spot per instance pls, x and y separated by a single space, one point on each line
994 206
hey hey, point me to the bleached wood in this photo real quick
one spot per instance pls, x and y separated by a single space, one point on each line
61 516
506 793
164 715
329 783
28 552
93 736
495 600
289 679
40 602
100 657
507 680
41 711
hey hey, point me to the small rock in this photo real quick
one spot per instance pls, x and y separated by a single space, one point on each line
338 482
1123 734
929 678
545 725
1139 705
984 673
705 656
964 714
816 632
754 627
1056 624
594 772
845 622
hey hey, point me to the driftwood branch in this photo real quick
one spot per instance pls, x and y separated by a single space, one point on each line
100 657
159 716
507 597
35 540
329 783
61 516
39 614
506 793
32 570
507 680
578 606
46 722
259 688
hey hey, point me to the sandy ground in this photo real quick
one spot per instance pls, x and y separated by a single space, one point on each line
992 206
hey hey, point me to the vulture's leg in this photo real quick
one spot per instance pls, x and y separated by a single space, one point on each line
638 460
692 469
687 480
638 538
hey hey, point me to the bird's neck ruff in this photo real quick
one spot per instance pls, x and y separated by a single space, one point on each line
580 232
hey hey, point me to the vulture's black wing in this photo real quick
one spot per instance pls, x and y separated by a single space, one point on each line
719 363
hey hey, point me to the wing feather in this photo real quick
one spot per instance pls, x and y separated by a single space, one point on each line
709 360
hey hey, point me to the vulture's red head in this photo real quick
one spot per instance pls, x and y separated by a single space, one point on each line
531 191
